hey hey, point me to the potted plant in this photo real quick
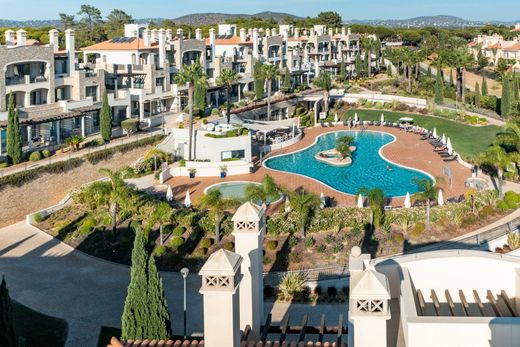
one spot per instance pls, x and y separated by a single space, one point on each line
223 171
192 172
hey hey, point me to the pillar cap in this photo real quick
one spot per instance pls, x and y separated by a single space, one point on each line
248 212
221 263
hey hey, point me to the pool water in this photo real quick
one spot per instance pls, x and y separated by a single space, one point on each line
368 170
233 190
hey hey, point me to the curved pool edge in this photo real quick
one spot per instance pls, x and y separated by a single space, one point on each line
244 182
380 153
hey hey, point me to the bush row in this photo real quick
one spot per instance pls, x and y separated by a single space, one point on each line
96 157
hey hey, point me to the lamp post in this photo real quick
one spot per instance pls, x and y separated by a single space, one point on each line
184 272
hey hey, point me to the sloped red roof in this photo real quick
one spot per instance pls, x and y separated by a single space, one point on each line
513 48
109 45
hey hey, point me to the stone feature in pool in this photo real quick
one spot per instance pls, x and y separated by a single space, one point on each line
233 190
368 169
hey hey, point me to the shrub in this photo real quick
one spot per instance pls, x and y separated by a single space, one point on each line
205 242
160 251
418 229
329 239
228 246
39 217
267 260
512 199
513 239
215 111
176 242
321 248
502 205
3 165
295 257
182 163
487 211
179 231
130 126
293 241
337 247
46 153
35 156
291 285
398 237
271 245
96 157
309 242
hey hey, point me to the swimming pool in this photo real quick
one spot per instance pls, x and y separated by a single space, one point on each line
233 190
368 170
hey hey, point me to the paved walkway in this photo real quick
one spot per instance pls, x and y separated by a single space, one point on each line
51 277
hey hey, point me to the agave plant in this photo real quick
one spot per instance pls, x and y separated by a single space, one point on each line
404 221
291 285
513 239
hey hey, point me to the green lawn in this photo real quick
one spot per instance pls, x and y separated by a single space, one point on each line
37 329
467 140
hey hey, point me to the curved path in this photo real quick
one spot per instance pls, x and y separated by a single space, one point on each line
51 277
407 150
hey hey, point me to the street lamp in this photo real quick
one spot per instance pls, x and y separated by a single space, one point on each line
184 272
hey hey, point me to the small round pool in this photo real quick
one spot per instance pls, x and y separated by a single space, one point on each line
369 168
234 189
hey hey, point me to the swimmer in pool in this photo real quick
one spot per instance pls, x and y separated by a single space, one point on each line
389 168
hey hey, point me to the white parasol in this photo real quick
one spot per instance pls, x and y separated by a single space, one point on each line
440 198
407 201
187 199
360 201
169 194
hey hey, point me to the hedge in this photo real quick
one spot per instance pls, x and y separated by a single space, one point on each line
20 178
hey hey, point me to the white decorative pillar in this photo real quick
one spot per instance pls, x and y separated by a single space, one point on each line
128 112
58 135
220 284
141 110
83 126
255 43
249 231
29 136
162 48
369 299
70 47
212 43
53 40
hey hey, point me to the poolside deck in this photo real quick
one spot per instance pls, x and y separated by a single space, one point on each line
408 150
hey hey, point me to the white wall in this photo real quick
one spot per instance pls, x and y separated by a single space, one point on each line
376 97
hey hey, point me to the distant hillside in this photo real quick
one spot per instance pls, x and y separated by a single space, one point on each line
215 18
7 23
440 21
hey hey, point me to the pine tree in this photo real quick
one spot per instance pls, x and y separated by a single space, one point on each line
199 97
484 87
14 134
506 100
439 88
477 94
259 81
135 319
287 84
159 325
7 334
358 65
106 119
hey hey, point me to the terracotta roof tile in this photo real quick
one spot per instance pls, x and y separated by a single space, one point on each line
513 48
495 46
301 38
234 40
138 343
135 45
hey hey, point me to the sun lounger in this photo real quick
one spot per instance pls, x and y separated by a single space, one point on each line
331 125
345 123
452 158
323 125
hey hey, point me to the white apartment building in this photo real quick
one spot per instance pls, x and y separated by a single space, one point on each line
495 47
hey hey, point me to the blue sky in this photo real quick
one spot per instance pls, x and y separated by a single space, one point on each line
349 9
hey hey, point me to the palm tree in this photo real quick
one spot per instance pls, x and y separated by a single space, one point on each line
324 82
510 136
343 146
190 75
74 141
217 205
457 56
269 73
162 214
428 192
497 158
227 79
267 191
376 202
304 204
118 195
369 45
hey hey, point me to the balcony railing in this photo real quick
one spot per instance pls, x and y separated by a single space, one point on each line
38 79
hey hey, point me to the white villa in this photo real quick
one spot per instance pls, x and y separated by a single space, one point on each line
495 47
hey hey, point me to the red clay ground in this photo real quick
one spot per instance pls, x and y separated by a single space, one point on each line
408 150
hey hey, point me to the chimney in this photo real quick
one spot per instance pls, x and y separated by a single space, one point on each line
169 34
349 31
296 33
255 43
267 32
305 32
250 32
53 39
162 48
343 31
154 36
70 47
21 38
180 34
212 43
243 35
9 37
285 35
198 34
249 231
147 38
273 31
312 32
220 284
331 32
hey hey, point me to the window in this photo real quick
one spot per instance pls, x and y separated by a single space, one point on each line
91 91
95 119
237 154
159 82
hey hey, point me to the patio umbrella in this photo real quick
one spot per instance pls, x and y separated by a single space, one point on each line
382 118
407 201
335 117
169 194
450 148
434 133
356 117
287 205
187 199
443 140
440 198
448 143
360 201
322 200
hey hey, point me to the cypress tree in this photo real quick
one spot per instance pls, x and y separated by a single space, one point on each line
259 81
358 65
477 94
342 72
14 133
135 319
287 84
429 73
159 325
516 87
199 96
506 100
7 334
484 87
106 119
389 70
439 88
366 63
451 78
